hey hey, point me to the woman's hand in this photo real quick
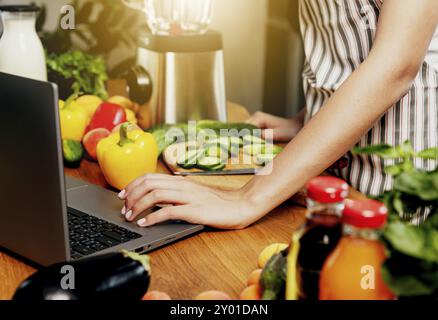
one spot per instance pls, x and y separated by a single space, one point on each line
284 129
189 201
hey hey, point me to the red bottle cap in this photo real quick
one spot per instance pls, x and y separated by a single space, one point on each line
365 214
327 190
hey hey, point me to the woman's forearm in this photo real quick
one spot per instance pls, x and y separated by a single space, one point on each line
340 124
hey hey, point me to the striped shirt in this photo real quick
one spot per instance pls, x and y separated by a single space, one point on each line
338 36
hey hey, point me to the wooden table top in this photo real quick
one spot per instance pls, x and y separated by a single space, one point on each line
211 260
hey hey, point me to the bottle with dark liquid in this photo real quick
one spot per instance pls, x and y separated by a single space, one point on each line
319 235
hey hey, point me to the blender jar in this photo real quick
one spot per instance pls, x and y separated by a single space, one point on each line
175 17
21 50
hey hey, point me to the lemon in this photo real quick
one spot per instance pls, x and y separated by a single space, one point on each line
269 252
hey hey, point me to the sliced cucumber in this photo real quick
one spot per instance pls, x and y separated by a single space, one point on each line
254 149
248 139
264 159
216 151
190 159
234 151
236 141
211 164
271 149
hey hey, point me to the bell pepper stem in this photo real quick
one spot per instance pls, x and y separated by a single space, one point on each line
124 139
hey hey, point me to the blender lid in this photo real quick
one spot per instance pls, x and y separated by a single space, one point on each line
19 8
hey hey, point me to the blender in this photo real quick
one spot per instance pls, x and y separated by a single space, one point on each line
179 75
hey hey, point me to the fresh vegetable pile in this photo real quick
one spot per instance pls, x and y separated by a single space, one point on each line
86 120
106 132
212 144
166 134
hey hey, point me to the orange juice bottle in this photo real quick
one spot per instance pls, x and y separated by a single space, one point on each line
353 270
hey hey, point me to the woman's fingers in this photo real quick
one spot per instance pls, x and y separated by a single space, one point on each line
149 185
134 195
184 213
258 119
156 197
139 181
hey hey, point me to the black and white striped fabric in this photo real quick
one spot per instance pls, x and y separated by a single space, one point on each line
338 36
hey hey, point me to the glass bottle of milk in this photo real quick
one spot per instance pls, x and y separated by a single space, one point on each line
21 50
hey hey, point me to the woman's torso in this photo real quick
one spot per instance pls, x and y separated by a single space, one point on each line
338 36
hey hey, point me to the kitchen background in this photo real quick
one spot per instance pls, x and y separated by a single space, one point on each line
263 52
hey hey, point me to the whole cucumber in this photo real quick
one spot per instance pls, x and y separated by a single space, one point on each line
73 152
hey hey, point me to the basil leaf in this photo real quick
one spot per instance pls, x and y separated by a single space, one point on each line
405 285
406 239
421 184
431 154
394 170
406 150
385 151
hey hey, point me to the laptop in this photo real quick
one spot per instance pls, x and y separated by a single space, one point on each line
46 217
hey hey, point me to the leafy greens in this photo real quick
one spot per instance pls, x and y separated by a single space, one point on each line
411 269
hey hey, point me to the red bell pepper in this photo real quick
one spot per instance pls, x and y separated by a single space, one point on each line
108 116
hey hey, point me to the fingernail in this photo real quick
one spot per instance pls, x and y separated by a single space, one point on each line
122 195
129 214
141 222
124 210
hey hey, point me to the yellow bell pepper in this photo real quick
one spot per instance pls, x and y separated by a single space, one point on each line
131 116
127 155
74 120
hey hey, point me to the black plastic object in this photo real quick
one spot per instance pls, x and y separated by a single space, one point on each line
139 85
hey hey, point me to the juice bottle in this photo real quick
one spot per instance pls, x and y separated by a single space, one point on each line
353 270
317 238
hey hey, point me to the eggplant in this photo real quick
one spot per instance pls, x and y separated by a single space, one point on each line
116 276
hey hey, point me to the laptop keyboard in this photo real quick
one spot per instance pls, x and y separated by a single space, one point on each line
89 234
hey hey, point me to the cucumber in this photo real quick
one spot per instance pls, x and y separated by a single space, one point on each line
216 151
248 139
217 126
273 277
73 152
236 141
234 150
190 159
211 164
264 159
254 150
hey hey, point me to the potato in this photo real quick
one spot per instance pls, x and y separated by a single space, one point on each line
251 293
213 296
156 295
254 277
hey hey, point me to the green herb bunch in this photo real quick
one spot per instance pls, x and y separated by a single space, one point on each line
86 73
411 270
414 189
